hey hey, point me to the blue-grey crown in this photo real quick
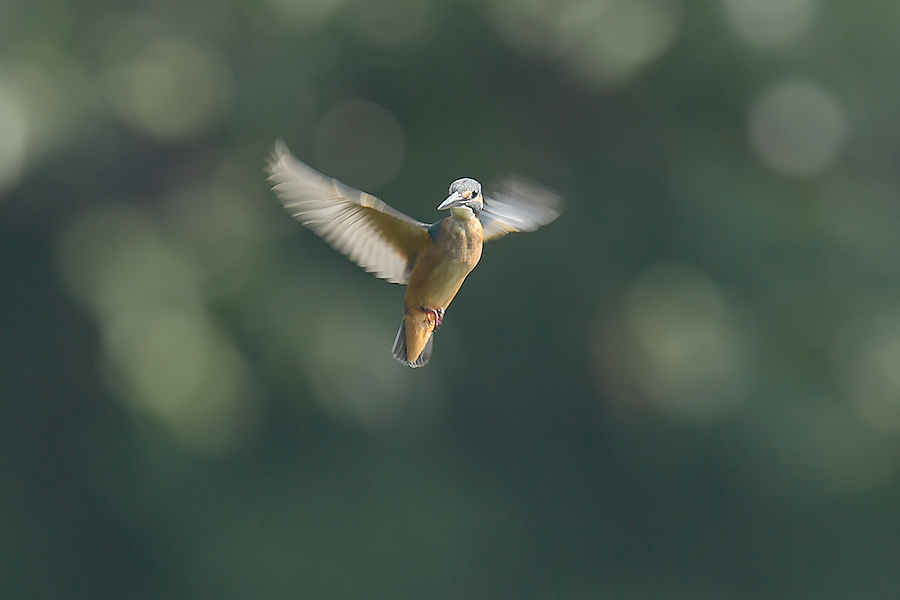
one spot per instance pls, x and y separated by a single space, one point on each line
465 184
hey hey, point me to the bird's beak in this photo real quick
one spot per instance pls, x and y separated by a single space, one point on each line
454 199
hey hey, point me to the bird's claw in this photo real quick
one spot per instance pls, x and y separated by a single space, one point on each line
434 316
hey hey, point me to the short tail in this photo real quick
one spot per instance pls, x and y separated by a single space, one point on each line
399 349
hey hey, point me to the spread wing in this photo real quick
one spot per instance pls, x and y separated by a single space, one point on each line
518 205
380 239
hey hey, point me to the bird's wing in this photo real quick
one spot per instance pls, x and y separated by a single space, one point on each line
518 205
380 239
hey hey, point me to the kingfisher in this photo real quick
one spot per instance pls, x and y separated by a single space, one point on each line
432 259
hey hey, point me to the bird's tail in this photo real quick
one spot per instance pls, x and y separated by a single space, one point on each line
401 352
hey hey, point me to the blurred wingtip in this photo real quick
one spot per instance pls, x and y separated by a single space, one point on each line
280 148
277 155
520 204
533 194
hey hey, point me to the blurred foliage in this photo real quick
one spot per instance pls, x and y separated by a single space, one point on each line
687 387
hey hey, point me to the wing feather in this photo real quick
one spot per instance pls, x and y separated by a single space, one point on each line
380 239
518 205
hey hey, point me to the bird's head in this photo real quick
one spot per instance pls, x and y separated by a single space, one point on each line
464 193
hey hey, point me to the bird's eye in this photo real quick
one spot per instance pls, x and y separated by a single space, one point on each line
475 194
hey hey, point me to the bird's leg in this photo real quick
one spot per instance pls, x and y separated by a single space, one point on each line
434 316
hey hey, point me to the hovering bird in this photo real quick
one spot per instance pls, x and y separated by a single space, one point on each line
433 260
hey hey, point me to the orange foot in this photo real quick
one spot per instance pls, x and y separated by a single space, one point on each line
434 316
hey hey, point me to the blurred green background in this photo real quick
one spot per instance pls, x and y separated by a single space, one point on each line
687 387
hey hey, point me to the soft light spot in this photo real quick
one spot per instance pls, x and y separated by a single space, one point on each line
797 129
39 110
872 372
766 23
388 23
57 101
687 355
359 143
14 126
223 226
114 258
164 356
863 216
304 15
177 366
171 89
622 37
853 456
523 23
605 40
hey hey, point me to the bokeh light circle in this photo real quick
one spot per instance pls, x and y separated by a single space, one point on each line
766 23
13 136
360 143
797 129
170 89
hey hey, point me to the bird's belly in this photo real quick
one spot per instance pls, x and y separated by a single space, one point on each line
439 286
438 275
